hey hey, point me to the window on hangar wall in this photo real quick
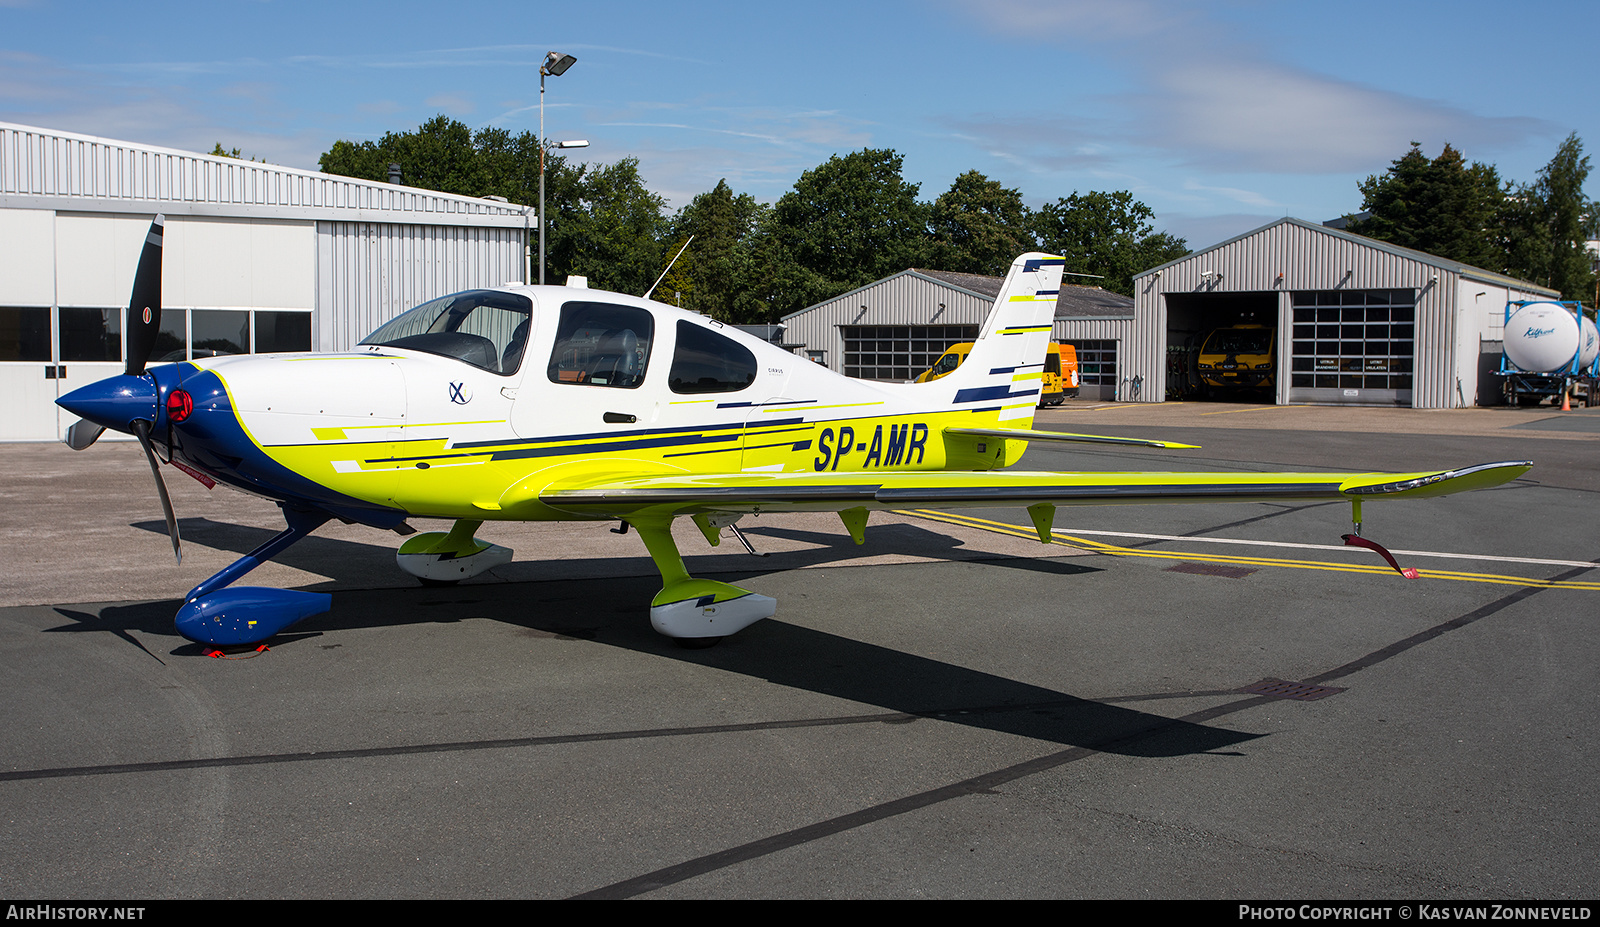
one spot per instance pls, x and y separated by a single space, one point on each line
87 335
1354 339
1097 362
897 352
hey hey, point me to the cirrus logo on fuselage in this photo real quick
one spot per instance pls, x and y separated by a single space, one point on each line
902 441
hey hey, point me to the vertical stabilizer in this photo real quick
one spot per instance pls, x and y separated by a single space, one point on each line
1006 366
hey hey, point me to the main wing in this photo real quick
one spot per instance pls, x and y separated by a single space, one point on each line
669 496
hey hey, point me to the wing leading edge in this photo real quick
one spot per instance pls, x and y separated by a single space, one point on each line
809 492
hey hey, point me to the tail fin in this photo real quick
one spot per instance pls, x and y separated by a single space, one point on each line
1006 366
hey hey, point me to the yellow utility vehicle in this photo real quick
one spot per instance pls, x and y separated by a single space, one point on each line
1239 358
1060 370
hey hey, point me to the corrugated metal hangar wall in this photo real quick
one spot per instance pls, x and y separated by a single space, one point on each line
257 258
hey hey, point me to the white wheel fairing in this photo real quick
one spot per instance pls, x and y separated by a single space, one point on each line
449 567
700 618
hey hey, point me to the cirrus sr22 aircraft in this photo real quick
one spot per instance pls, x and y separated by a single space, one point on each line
543 403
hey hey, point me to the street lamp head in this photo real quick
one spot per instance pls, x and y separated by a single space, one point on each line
556 64
575 143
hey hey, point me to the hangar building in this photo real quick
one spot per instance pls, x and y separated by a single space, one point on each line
896 328
1357 321
258 258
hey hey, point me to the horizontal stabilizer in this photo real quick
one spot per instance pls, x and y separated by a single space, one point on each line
1023 434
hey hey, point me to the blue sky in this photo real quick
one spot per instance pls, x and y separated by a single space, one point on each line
1220 115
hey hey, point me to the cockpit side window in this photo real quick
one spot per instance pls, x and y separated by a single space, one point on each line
485 328
601 344
706 362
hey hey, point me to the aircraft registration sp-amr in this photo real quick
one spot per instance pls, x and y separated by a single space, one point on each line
543 403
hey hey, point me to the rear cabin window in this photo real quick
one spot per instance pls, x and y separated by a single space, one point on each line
706 362
600 344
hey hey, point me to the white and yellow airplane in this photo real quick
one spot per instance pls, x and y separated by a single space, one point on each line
543 403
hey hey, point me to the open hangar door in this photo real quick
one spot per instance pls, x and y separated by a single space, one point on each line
1239 362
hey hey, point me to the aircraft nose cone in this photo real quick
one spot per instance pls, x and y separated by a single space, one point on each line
114 401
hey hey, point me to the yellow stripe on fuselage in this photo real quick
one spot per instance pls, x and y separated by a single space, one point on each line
432 477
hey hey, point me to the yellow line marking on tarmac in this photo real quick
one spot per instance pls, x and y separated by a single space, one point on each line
1100 547
1256 409
1334 547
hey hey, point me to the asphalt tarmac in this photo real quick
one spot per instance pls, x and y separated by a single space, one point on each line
951 710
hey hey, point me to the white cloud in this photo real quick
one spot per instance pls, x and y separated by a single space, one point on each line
452 104
1075 21
1211 96
1246 197
1226 114
1203 231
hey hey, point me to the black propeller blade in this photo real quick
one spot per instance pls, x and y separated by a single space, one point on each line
82 433
141 430
144 308
109 399
144 323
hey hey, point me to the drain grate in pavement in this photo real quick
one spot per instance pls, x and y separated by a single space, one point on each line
1282 688
1210 569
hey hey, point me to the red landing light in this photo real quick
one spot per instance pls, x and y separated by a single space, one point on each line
179 405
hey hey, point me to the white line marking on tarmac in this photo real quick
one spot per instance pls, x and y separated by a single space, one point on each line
1409 553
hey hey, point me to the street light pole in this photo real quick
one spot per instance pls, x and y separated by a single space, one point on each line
555 65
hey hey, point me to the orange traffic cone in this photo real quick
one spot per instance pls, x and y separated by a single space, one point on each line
1566 401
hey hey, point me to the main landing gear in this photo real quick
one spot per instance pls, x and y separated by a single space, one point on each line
695 612
438 558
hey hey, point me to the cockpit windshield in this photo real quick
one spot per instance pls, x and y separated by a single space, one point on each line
485 328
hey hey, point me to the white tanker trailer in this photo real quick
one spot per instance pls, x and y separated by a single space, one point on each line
1548 346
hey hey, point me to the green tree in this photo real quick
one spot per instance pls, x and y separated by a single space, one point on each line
979 227
1546 225
599 207
1444 206
846 223
220 152
444 154
609 231
1108 234
438 156
716 272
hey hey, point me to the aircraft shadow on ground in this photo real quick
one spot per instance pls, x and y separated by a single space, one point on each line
773 651
348 563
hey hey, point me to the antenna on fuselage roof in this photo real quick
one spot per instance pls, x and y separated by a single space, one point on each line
669 267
